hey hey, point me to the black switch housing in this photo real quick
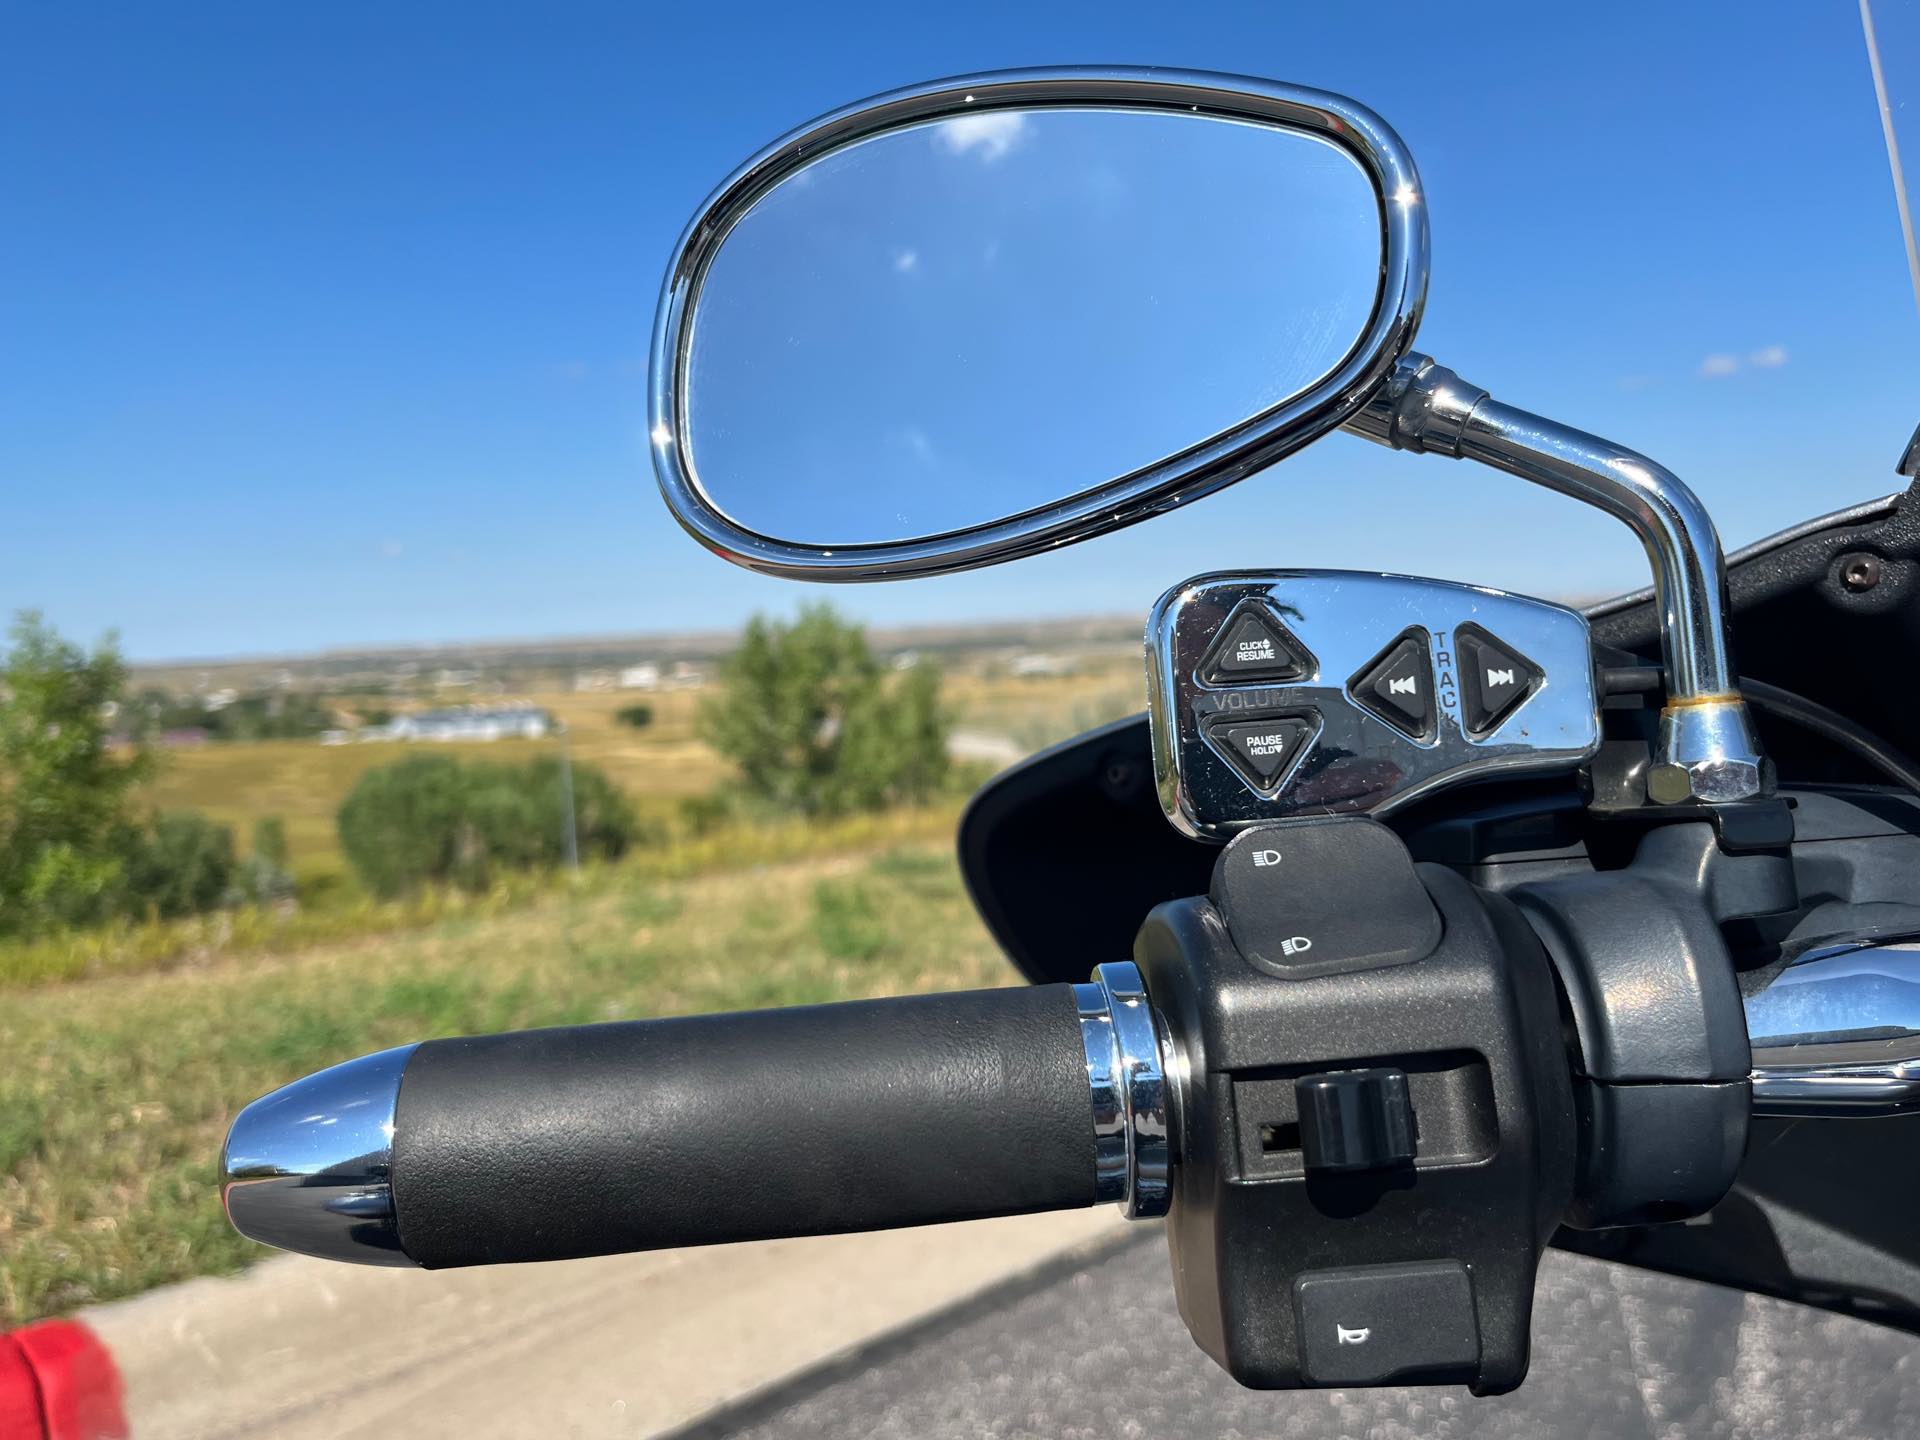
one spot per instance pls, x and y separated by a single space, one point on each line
1287 1066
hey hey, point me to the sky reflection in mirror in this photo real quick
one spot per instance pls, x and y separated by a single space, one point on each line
950 324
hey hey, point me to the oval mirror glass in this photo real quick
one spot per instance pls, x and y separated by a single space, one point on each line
968 319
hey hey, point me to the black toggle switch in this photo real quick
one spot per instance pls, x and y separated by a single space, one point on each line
1355 1120
1495 679
1254 645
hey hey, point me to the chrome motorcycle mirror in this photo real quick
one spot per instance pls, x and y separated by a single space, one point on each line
980 318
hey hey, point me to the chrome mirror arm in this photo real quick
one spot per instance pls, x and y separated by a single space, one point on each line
1707 749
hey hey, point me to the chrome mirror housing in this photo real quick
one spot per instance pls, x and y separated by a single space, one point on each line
777 255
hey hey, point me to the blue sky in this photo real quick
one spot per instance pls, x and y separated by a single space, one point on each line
958 322
328 326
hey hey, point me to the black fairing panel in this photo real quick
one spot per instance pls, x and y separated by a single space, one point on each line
1065 853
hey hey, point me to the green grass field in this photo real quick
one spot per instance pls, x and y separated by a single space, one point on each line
115 1092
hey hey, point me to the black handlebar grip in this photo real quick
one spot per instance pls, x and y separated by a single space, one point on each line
599 1139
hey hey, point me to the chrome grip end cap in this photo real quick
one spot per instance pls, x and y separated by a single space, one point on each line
309 1168
1133 1158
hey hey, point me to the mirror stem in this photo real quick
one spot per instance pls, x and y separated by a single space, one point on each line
1707 749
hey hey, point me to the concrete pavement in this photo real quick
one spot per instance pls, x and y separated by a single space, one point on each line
630 1346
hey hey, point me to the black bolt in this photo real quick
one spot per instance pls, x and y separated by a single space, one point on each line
1860 572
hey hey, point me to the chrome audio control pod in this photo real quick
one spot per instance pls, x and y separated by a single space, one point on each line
1283 693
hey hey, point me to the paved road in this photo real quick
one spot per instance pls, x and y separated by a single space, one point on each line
1096 1352
301 1349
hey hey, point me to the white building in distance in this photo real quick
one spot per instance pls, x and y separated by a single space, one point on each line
468 723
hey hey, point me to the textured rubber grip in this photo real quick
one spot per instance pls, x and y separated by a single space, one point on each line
549 1144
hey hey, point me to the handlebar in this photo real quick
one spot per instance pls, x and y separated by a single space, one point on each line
600 1139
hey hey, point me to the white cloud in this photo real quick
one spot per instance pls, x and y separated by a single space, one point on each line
992 132
1768 357
905 260
917 443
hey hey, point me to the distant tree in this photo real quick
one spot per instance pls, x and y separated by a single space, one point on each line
638 716
814 724
265 715
64 794
268 715
147 714
430 818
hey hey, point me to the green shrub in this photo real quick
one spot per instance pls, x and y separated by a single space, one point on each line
184 864
431 818
264 877
638 716
702 815
270 840
63 886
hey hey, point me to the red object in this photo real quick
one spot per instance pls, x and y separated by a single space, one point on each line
19 1395
57 1382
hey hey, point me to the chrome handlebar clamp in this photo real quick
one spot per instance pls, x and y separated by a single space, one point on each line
1131 1094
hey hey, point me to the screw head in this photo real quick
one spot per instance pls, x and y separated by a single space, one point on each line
1860 573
